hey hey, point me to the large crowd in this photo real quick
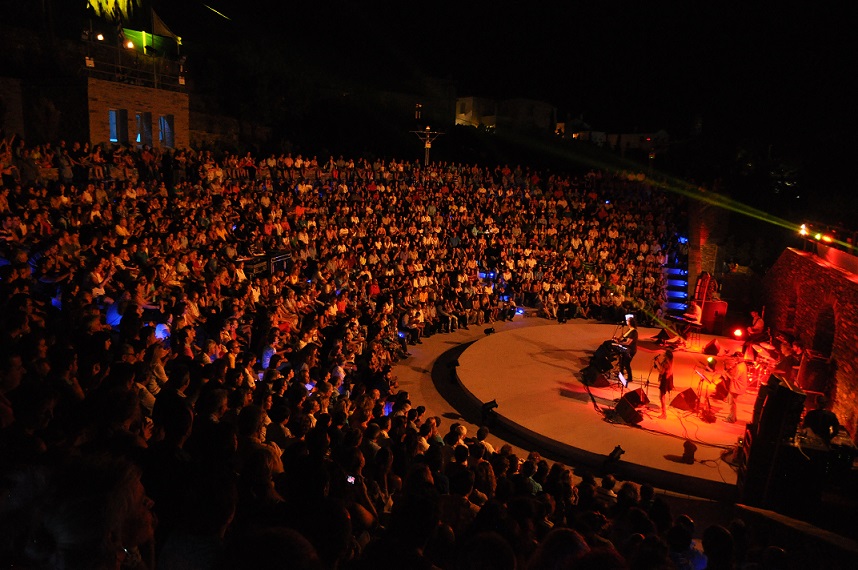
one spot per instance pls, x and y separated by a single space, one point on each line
162 398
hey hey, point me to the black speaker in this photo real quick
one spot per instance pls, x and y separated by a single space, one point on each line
636 398
686 400
781 410
627 412
713 348
721 391
662 335
591 376
588 374
601 381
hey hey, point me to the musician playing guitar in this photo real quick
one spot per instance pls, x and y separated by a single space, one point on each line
629 343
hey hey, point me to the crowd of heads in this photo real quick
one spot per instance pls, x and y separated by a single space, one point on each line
145 357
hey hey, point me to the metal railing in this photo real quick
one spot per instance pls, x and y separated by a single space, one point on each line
114 63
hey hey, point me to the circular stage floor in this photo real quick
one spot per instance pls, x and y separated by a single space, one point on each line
534 375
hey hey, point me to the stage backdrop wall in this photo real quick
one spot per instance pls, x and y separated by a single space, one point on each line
817 302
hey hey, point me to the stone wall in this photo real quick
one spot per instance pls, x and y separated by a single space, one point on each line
211 131
817 302
11 107
705 231
104 96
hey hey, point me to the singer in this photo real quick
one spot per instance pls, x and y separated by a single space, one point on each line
663 364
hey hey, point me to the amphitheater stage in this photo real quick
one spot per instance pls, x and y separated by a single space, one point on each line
534 374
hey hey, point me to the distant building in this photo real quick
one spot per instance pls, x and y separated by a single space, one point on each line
476 112
108 87
511 114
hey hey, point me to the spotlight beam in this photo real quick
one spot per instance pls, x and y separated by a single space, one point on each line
667 183
221 14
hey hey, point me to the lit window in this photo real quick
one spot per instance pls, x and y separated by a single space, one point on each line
144 129
118 119
166 136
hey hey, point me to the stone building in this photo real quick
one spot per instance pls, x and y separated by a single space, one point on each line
814 298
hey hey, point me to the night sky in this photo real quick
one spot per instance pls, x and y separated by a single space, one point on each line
619 64
774 77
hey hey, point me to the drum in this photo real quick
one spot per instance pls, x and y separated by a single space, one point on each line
758 372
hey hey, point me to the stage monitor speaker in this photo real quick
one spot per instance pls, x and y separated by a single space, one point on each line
662 335
601 381
721 391
636 398
591 376
686 400
713 348
627 412
588 375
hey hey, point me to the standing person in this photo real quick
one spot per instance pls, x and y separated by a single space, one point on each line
663 364
564 301
630 341
737 376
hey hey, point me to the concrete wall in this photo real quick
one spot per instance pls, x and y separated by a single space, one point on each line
106 95
817 303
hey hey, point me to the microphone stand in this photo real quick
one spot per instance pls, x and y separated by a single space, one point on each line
699 390
646 384
704 414
619 329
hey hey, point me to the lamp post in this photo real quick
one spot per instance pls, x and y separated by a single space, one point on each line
427 135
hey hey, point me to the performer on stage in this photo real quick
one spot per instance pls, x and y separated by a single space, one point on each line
737 377
756 333
629 340
663 364
692 317
789 359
